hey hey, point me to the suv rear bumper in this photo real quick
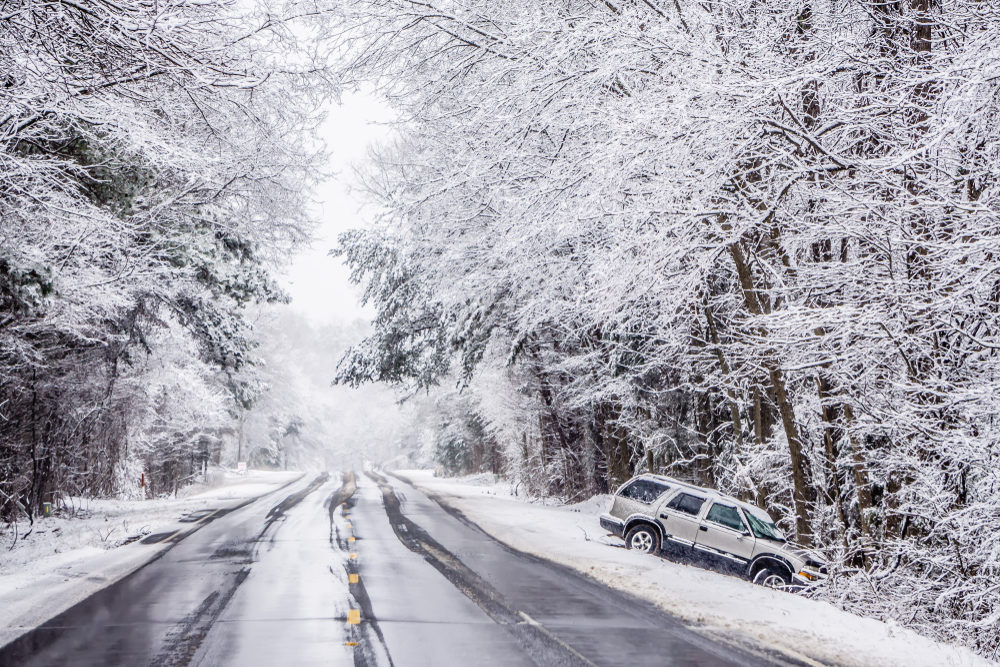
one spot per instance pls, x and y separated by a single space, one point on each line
613 525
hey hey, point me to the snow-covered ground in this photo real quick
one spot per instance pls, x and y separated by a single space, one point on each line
67 558
715 604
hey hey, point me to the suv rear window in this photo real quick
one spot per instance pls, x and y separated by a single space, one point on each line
726 516
685 502
644 490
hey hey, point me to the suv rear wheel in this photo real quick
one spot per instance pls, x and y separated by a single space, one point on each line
643 538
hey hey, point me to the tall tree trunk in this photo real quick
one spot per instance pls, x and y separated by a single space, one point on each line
734 408
860 469
800 492
831 437
799 483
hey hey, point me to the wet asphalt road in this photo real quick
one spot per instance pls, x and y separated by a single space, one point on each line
364 570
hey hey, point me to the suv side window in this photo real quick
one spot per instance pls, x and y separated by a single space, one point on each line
725 515
644 490
685 502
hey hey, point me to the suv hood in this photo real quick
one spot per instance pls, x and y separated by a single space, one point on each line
809 557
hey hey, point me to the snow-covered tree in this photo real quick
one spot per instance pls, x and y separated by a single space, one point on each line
753 244
154 163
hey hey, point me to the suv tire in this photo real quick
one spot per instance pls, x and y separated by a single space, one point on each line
643 538
773 577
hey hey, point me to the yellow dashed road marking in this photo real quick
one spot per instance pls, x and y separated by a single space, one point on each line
173 534
350 539
208 516
354 616
353 555
352 578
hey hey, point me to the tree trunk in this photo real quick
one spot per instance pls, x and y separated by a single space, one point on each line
734 409
799 483
756 306
861 482
830 439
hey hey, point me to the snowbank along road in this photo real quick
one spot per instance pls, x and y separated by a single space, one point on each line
361 570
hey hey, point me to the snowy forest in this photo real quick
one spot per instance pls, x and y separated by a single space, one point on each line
151 176
753 244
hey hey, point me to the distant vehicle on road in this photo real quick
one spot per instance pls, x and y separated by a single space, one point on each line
653 513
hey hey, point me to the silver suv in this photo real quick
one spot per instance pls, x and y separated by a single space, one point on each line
653 512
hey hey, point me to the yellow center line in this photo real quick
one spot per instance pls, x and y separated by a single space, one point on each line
213 512
167 537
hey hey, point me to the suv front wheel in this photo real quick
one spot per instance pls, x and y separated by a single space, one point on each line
643 538
773 577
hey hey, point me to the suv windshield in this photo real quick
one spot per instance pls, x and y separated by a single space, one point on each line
764 528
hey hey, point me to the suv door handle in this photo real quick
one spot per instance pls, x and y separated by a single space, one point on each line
705 528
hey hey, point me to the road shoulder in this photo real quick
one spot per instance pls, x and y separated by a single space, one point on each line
719 606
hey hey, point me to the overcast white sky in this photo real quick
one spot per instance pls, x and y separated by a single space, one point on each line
317 282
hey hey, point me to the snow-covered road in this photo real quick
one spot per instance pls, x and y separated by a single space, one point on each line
334 572
236 589
469 600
